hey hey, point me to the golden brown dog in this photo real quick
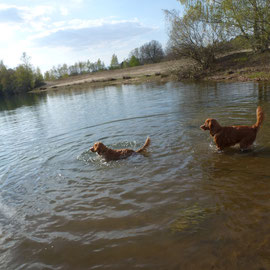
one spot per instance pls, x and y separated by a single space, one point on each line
116 154
231 135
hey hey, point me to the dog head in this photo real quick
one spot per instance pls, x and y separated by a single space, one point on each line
98 148
212 125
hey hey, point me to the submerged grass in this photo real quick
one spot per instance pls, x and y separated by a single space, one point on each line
190 218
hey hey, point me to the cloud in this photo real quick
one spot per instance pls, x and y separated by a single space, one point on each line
101 33
64 11
26 18
10 15
54 32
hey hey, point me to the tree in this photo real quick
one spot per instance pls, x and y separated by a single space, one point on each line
151 52
47 76
197 34
64 71
114 62
21 79
100 65
3 71
39 80
73 70
7 80
26 60
24 78
134 61
24 75
248 18
136 53
124 64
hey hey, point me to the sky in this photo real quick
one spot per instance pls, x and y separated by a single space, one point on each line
54 32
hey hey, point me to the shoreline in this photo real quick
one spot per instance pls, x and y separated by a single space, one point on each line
234 67
159 72
162 78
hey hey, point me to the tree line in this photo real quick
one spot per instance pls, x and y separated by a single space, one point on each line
151 52
63 71
209 28
25 77
21 79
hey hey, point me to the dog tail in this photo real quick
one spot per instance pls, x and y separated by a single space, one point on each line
146 144
260 117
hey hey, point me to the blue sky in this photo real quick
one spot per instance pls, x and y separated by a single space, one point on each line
54 32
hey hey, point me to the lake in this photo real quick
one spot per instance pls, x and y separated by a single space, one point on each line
182 205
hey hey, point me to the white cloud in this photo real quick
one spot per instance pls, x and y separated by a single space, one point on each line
77 1
10 15
50 41
25 14
79 34
64 11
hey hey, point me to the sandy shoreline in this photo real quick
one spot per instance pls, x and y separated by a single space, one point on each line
161 72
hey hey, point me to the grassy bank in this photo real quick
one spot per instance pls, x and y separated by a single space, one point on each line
240 66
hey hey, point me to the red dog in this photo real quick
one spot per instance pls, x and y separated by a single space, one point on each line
116 154
231 135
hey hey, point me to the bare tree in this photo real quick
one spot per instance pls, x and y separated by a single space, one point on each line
196 35
150 52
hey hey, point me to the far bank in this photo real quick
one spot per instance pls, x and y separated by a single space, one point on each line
237 66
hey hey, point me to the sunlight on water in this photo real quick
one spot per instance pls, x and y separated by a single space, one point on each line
181 205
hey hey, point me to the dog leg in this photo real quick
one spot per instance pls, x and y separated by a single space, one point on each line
246 143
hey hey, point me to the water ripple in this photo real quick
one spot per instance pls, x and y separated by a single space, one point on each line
182 205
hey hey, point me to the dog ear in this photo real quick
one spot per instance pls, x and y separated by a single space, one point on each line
100 148
213 127
95 147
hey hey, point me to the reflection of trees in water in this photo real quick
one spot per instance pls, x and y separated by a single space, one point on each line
263 89
17 101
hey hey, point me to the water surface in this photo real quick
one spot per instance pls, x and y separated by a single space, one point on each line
183 205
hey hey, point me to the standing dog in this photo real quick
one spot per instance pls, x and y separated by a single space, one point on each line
116 154
231 135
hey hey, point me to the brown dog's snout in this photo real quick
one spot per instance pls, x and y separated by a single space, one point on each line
92 149
203 127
